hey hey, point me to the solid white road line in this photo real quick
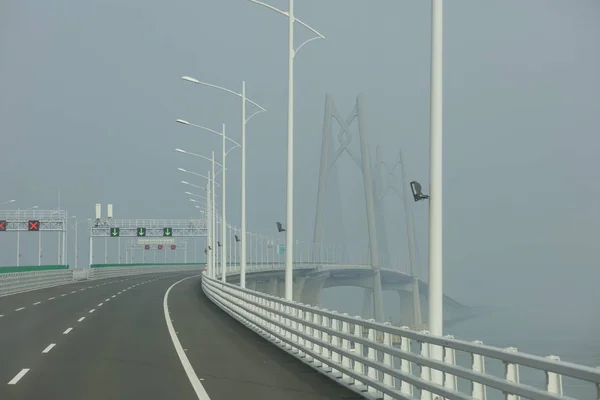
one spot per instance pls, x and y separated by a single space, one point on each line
67 331
18 377
185 362
47 349
80 319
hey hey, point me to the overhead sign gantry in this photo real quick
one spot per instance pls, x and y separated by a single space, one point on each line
34 220
143 228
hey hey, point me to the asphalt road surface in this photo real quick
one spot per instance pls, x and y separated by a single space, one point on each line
109 339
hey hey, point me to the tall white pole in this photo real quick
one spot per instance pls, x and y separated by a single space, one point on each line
76 248
65 232
436 318
243 227
40 248
18 237
214 216
209 229
223 210
289 245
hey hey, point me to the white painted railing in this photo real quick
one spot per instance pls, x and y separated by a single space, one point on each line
382 361
113 272
16 282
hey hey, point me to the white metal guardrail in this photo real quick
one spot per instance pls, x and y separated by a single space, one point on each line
113 272
16 282
381 361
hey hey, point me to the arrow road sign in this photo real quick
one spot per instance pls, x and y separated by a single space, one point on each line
141 231
114 232
2 226
167 232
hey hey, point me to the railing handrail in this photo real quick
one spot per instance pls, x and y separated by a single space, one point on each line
527 360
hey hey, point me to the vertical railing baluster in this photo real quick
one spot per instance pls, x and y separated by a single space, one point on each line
511 373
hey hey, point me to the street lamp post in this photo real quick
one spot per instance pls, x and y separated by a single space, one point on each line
212 174
224 153
289 250
436 318
243 146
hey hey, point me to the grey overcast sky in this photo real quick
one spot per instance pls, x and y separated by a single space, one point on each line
90 90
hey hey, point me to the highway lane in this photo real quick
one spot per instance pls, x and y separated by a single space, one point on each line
107 342
25 300
233 362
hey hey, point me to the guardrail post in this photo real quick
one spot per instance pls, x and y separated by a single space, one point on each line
388 360
554 380
372 356
316 334
293 311
450 381
346 361
512 374
478 391
335 341
405 365
425 371
325 337
308 330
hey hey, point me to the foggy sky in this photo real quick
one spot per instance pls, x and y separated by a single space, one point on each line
89 94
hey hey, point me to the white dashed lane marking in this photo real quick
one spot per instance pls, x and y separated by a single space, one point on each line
80 319
67 331
36 303
47 349
18 377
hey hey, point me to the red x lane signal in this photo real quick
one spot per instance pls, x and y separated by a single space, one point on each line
2 226
34 225
147 247
160 246
173 247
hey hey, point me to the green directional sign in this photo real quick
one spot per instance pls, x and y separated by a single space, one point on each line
167 232
114 232
141 231
281 249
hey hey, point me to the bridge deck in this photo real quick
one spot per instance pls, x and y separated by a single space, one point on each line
108 339
235 362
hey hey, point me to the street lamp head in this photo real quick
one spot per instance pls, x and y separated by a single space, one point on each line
34 207
417 191
188 193
11 201
180 151
185 182
181 169
182 121
190 79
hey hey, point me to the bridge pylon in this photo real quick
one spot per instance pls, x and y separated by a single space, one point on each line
399 185
329 158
